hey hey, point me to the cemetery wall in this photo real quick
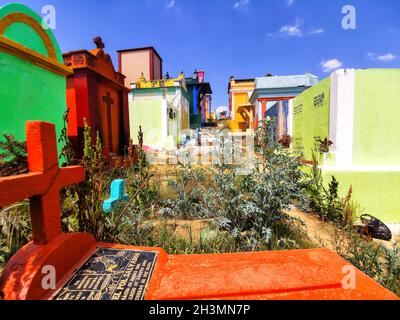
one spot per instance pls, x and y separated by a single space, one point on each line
311 118
146 113
377 120
376 192
32 76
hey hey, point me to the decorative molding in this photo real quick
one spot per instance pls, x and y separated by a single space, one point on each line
16 49
23 18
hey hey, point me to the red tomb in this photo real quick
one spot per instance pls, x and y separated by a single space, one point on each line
85 269
96 92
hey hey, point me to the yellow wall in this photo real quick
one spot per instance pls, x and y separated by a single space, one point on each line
185 117
244 91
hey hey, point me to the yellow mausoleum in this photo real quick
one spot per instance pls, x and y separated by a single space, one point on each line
239 91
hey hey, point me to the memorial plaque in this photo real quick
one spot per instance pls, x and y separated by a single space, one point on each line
111 274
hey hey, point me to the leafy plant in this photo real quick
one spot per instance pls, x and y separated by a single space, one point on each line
87 197
186 201
326 201
67 152
139 177
377 260
252 207
13 156
324 145
15 230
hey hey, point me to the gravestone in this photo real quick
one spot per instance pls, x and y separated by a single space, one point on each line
96 93
32 73
84 269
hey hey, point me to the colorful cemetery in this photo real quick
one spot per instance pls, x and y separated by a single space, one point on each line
161 110
272 97
96 95
69 262
198 91
90 270
241 111
351 121
30 59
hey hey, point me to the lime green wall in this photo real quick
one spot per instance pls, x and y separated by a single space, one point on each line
311 122
146 113
28 92
376 192
375 148
377 117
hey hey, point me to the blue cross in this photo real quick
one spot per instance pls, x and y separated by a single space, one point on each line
117 194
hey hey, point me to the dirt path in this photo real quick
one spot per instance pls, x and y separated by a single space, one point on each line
318 231
321 233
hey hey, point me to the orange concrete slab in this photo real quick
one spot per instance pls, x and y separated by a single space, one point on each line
297 274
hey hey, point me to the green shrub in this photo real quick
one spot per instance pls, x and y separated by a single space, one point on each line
15 230
249 208
326 201
138 181
13 157
379 261
186 199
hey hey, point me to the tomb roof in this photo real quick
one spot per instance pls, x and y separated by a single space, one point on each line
305 80
141 49
96 60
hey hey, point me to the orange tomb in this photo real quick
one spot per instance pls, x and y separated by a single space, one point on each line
96 92
86 269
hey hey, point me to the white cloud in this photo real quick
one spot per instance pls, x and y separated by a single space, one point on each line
290 31
382 58
170 4
295 30
317 31
241 3
289 2
386 57
330 65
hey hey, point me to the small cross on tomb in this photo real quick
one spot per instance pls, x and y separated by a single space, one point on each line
43 182
109 101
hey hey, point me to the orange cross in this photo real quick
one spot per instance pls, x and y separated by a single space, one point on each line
43 182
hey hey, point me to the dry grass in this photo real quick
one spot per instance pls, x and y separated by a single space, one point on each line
318 231
190 230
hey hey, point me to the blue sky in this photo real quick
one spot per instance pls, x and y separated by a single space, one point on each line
244 38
